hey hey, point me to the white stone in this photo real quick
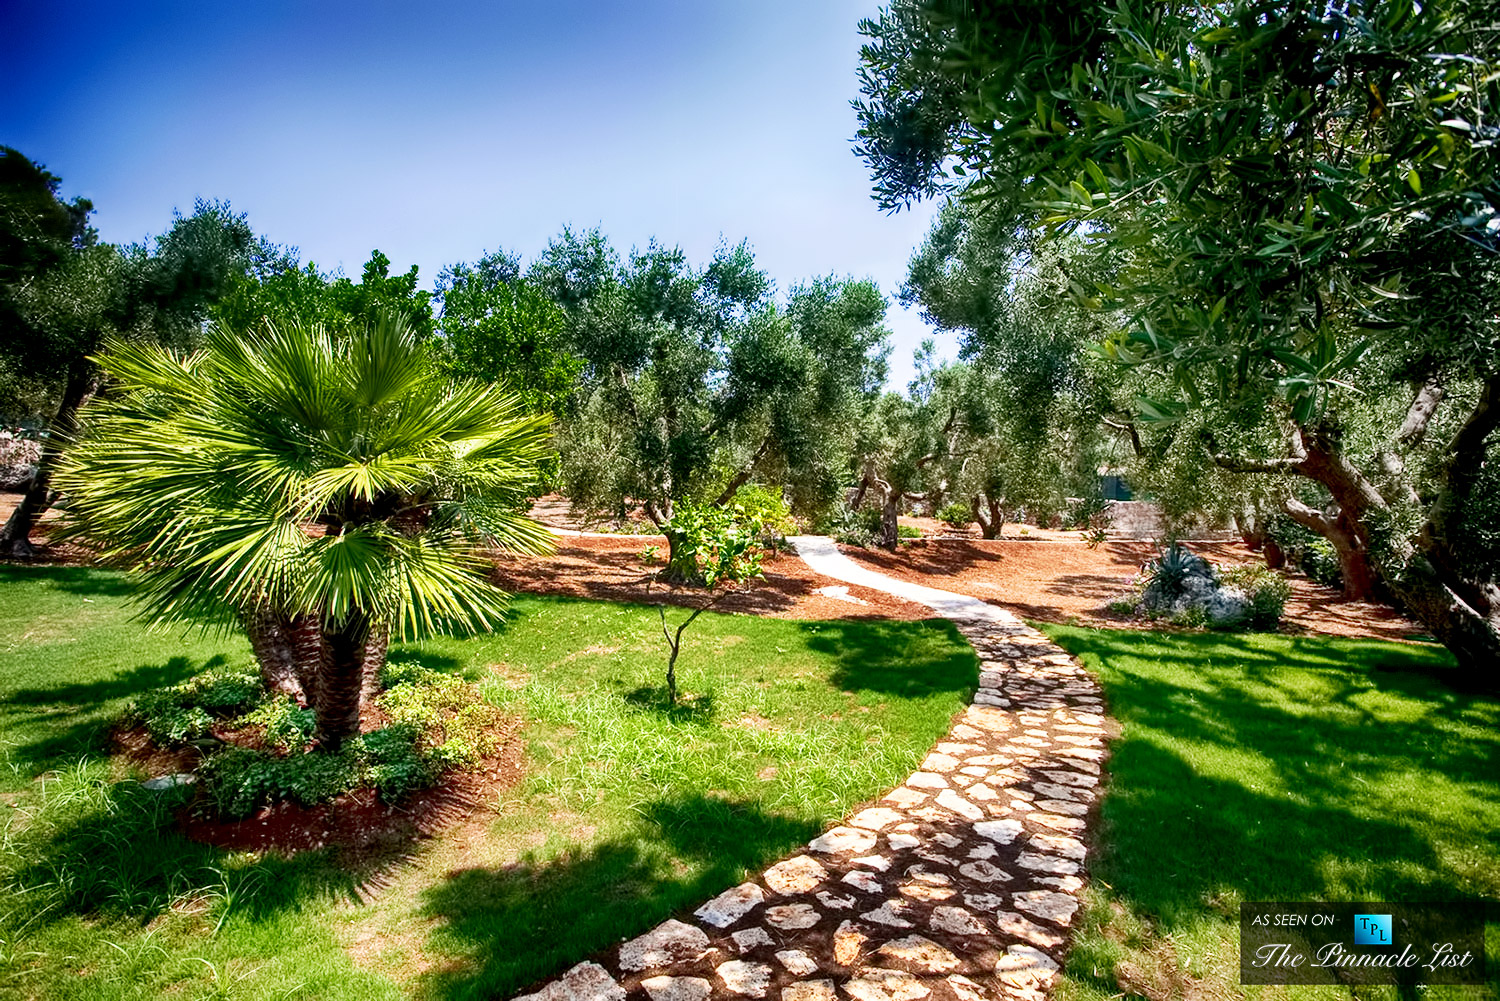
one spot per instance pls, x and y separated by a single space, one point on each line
889 913
1085 753
903 796
164 782
677 988
843 839
866 881
797 962
1047 904
927 780
955 748
876 818
847 941
1071 779
751 938
1056 822
795 875
1015 925
921 891
749 979
1054 791
965 732
834 902
938 762
731 905
983 851
974 770
982 793
667 943
791 917
1067 884
923 953
1046 863
947 840
879 862
809 990
964 988
924 875
1025 966
1063 806
984 872
1057 844
953 801
885 985
584 982
1001 831
901 842
955 921
984 901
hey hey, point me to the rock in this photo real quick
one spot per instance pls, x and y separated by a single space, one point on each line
951 800
965 732
947 840
984 872
164 782
1055 791
834 902
984 901
921 891
876 818
749 979
879 862
1025 966
751 938
1013 924
955 921
1047 904
889 913
584 982
1001 831
1071 779
795 875
1067 884
1057 823
791 917
667 943
843 839
939 762
797 962
927 780
904 796
982 792
847 941
866 881
676 988
886 985
1046 863
922 953
731 905
925 875
901 842
1063 806
965 989
983 852
809 990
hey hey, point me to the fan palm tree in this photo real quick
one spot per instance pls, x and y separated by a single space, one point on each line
324 487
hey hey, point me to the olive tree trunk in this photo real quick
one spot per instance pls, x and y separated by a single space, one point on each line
15 537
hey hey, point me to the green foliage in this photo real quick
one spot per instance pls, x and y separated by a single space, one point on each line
1170 570
185 712
449 723
240 780
956 514
850 526
286 294
1267 589
1321 563
908 532
394 762
287 725
765 506
713 546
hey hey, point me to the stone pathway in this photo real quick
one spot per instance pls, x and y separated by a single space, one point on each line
961 884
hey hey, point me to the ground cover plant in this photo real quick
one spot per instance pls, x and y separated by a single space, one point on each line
628 810
1262 767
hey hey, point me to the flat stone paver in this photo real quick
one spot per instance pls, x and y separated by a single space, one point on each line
961 884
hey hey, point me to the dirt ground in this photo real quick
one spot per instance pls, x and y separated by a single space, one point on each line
1043 575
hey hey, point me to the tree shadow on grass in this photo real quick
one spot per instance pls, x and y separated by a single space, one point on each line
89 581
905 659
690 708
515 925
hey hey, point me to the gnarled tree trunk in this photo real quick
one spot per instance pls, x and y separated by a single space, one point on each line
341 680
990 517
15 537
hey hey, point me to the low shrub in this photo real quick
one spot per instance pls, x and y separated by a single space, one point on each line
1268 592
767 507
287 725
1321 563
188 711
957 514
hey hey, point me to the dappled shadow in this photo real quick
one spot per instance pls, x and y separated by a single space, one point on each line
1297 825
694 709
75 580
884 656
119 684
517 924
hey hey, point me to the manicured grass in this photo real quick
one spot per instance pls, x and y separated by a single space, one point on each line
1264 767
629 810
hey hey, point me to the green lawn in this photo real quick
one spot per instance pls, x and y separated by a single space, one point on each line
1262 767
628 812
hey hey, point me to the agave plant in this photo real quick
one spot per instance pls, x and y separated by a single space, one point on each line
325 488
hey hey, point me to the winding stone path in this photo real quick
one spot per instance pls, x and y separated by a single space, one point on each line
961 884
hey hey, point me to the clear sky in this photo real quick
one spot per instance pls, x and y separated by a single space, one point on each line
438 131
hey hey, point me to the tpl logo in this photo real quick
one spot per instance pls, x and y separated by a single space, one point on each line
1372 929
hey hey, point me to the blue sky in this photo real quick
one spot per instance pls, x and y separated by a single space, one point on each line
438 132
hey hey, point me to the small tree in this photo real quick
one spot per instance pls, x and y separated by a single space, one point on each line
714 548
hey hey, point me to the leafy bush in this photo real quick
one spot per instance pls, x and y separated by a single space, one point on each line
287 725
1168 573
1268 592
711 543
957 514
1321 563
188 711
394 764
768 508
1088 512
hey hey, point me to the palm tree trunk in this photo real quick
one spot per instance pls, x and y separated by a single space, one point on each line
272 641
341 680
375 651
